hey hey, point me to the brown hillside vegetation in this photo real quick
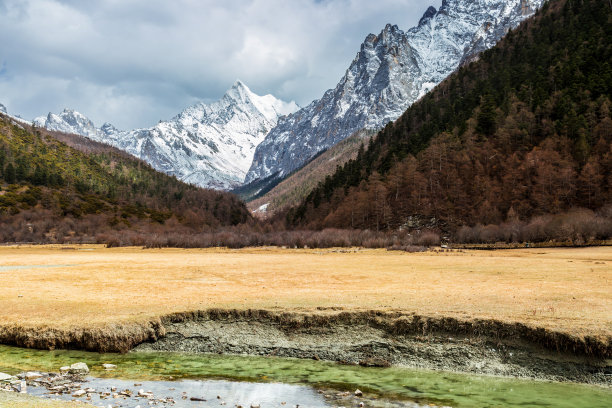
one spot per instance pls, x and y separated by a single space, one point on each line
291 191
63 188
94 295
524 132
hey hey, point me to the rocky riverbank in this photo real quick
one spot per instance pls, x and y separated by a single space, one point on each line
72 385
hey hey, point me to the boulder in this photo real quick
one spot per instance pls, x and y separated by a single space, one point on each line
79 368
32 375
145 394
109 366
6 377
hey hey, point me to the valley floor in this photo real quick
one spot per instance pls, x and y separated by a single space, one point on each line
544 313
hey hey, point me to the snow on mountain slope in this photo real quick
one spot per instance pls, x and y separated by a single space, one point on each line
390 72
207 145
69 121
17 119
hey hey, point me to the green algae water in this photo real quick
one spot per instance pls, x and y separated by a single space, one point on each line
440 388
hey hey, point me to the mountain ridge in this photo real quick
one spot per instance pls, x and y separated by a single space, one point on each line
505 149
209 145
391 71
296 186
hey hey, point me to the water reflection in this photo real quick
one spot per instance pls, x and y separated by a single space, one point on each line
230 393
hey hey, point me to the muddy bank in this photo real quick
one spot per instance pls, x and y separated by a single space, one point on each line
367 338
373 338
111 338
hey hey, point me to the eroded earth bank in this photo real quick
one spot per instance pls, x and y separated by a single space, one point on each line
382 339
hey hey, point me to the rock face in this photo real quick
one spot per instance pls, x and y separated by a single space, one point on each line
206 145
391 71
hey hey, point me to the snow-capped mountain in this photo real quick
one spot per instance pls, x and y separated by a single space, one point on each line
207 145
69 121
391 71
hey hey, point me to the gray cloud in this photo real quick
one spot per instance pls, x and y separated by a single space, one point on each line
134 62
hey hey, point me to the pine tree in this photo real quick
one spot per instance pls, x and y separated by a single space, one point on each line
10 174
487 116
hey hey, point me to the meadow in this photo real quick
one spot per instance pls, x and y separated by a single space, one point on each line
71 287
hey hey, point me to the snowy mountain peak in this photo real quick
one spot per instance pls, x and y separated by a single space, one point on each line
390 29
268 105
391 71
431 11
108 129
210 145
68 121
370 39
240 86
239 92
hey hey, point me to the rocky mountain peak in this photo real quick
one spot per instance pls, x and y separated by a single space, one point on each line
68 121
108 129
239 92
390 30
431 11
391 71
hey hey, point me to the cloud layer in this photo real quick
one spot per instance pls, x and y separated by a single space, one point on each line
134 62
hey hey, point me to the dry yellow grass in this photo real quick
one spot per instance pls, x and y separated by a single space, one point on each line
568 290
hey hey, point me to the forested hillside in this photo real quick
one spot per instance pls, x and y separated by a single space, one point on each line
52 192
292 190
524 131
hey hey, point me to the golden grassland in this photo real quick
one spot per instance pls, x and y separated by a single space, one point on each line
562 289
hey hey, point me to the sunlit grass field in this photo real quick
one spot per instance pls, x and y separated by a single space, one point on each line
565 289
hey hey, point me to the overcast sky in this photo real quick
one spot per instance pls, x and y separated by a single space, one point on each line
134 62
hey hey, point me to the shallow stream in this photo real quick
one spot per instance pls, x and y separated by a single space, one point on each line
272 381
